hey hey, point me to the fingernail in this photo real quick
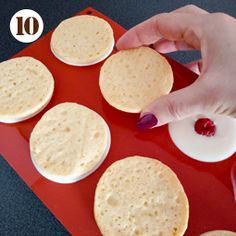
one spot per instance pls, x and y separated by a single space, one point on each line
147 121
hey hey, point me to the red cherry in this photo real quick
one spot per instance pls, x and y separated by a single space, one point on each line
205 126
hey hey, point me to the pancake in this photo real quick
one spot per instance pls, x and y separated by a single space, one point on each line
82 40
219 233
69 142
132 79
140 196
26 87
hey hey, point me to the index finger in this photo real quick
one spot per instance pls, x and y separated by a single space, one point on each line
176 26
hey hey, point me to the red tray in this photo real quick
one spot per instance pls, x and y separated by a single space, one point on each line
208 186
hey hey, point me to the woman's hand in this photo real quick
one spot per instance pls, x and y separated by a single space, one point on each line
188 28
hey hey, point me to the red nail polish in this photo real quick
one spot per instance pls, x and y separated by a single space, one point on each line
147 121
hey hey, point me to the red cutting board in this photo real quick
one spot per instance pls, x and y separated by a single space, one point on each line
208 186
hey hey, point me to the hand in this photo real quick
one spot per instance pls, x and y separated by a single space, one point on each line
188 28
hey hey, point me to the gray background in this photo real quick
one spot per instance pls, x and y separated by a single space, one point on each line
21 212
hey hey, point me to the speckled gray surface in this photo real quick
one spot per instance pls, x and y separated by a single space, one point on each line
21 213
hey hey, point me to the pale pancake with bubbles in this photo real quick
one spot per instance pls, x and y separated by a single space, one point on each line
219 233
132 79
140 196
26 87
82 40
69 142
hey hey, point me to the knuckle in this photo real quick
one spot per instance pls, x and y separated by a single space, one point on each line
138 37
174 109
232 113
191 7
209 95
222 17
222 109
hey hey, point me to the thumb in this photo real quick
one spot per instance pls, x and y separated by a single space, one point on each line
174 106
